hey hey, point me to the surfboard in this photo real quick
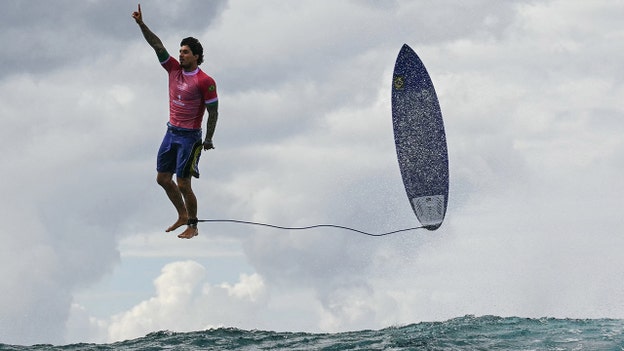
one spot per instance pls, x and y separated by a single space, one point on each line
420 139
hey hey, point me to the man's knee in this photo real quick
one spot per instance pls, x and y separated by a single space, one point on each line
164 179
184 184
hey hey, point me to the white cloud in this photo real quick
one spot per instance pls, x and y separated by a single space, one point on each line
184 302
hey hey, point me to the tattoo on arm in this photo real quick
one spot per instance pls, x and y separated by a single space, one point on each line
211 124
153 40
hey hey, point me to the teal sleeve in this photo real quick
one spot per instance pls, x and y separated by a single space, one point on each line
162 55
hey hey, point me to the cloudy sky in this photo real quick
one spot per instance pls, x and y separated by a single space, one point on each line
532 96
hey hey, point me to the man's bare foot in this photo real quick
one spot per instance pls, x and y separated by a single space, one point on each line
180 222
189 233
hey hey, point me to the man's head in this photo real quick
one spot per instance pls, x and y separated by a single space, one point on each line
195 48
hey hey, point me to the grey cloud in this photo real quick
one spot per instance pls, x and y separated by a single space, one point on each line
42 35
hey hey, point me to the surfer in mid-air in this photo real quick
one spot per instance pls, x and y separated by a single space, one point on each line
191 93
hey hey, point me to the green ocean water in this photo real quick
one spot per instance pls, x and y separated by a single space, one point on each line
464 333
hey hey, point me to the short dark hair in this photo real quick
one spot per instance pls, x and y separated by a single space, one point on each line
196 48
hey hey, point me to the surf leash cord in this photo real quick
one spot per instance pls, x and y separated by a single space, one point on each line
305 227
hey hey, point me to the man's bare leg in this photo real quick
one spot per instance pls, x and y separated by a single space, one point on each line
175 196
184 184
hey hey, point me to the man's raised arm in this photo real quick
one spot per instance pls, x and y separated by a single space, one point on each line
150 37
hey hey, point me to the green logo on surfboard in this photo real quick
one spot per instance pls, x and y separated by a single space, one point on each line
399 82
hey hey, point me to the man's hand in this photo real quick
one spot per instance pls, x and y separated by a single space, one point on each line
208 144
138 16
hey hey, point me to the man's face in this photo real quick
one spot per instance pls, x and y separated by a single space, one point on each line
187 59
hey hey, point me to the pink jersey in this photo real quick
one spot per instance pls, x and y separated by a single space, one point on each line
189 92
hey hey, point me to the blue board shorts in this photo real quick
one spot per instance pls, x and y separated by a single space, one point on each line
180 151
